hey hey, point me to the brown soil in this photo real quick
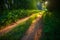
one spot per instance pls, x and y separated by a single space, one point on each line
35 30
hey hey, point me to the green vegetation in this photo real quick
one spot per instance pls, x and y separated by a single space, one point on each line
51 18
17 4
18 32
13 10
8 17
51 28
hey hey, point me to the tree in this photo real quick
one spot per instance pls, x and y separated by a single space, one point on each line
17 4
53 5
1 5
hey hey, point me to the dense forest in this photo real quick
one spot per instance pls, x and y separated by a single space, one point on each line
12 11
17 4
51 21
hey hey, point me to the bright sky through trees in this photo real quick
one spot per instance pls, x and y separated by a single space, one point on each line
46 2
38 3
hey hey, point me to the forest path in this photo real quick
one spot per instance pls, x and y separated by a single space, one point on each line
10 27
35 30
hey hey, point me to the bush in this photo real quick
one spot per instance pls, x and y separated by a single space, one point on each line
10 16
51 29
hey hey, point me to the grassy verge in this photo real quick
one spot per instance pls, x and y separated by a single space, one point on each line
11 16
18 32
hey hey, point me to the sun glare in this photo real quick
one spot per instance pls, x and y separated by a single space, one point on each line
46 2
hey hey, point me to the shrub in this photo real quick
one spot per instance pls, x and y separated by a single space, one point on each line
10 16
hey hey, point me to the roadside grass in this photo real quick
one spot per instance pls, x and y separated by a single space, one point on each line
10 16
18 32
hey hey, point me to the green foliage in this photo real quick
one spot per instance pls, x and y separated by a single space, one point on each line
11 16
51 26
19 31
17 4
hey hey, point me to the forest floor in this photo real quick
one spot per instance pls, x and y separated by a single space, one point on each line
34 31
